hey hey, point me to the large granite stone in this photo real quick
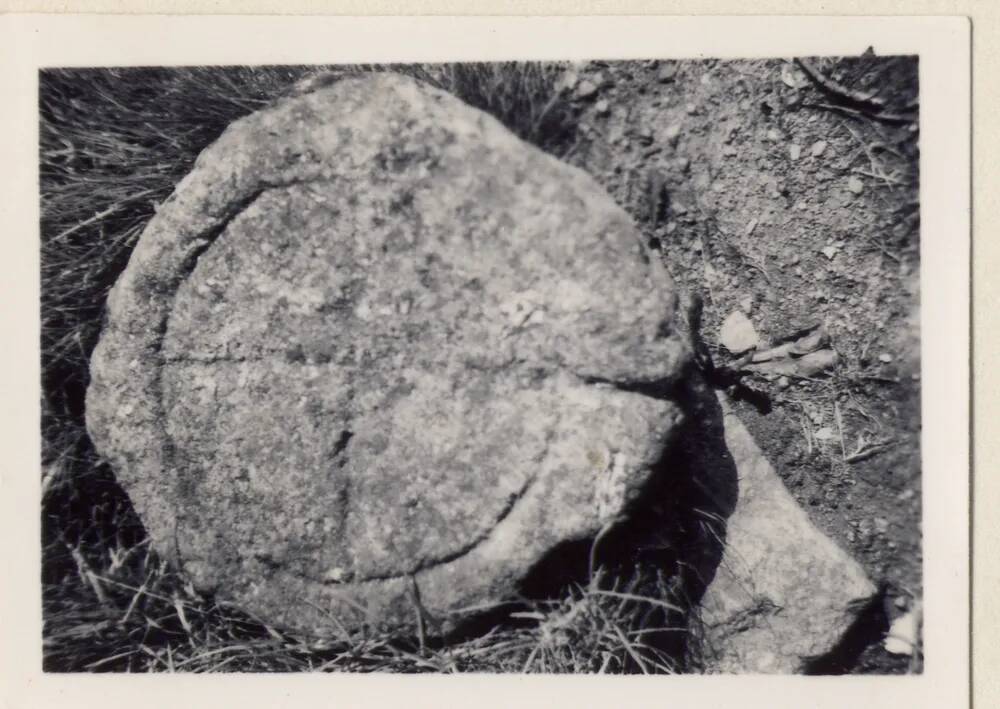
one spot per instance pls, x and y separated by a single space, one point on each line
375 357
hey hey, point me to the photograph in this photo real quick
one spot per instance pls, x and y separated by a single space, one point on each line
570 366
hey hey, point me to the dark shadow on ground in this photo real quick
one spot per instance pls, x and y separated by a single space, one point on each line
674 539
868 628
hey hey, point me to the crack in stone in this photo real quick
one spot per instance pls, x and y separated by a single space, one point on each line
455 555
661 389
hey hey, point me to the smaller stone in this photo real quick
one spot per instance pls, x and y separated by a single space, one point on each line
784 382
817 148
789 76
737 333
824 434
829 251
691 109
770 606
881 525
667 72
773 135
904 633
673 132
885 358
586 89
602 107
794 151
855 185
729 151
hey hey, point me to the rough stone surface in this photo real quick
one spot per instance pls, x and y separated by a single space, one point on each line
783 593
375 357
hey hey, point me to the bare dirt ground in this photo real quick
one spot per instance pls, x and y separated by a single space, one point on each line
770 195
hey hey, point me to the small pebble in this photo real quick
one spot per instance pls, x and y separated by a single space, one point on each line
737 333
818 147
586 89
667 72
794 151
855 185
602 107
885 358
691 109
784 383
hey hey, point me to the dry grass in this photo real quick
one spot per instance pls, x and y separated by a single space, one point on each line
113 144
105 622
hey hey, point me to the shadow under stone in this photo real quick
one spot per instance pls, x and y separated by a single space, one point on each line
673 541
869 627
